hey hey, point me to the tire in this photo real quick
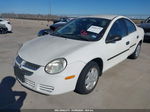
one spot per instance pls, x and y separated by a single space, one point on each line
3 30
84 86
136 53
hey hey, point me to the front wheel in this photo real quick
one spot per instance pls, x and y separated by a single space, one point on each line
136 53
88 78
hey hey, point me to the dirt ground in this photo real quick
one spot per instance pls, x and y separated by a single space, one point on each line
125 86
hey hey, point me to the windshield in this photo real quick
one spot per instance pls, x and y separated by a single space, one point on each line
88 29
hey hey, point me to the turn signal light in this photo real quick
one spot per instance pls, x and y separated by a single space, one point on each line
70 77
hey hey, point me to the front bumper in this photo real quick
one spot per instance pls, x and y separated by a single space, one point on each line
38 80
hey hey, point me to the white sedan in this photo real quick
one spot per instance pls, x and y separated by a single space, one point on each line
75 56
6 24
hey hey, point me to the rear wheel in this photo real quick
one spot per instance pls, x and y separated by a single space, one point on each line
136 53
88 78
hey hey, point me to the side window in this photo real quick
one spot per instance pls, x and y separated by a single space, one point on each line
131 27
118 29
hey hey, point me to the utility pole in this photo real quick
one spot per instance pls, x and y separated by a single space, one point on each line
50 9
50 12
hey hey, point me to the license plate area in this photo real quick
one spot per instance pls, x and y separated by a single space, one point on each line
21 73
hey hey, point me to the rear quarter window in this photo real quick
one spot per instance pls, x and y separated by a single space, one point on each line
130 26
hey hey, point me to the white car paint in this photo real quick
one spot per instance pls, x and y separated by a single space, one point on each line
6 23
42 50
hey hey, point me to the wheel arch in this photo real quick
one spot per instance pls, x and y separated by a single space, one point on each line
100 63
141 41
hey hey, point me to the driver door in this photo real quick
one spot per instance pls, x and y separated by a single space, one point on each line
117 50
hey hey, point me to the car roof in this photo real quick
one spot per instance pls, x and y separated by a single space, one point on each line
110 17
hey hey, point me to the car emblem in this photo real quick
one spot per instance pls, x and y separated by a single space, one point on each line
22 64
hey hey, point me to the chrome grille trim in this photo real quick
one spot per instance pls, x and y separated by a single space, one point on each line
19 59
27 64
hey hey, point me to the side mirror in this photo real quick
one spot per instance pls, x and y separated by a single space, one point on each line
114 39
117 38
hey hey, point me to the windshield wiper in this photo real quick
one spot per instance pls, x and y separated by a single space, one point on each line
66 35
59 35
83 38
71 36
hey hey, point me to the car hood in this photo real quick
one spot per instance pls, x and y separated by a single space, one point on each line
145 25
47 48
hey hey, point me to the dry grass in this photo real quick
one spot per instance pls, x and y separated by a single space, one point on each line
137 21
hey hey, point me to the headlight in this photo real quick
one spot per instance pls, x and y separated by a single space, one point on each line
56 66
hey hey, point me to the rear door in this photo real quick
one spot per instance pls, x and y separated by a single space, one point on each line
132 35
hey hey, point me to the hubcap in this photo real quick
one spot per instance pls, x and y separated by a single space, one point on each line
138 50
91 79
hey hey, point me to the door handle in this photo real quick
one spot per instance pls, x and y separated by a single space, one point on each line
127 43
137 37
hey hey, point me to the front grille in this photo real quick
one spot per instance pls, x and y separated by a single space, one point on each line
27 64
20 73
31 66
46 88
